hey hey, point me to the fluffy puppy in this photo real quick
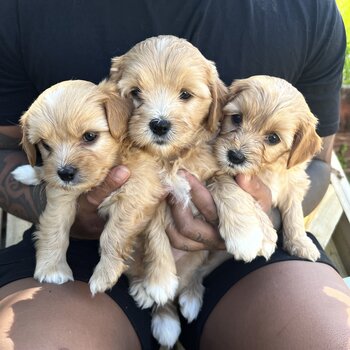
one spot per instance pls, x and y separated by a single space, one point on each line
178 99
268 130
80 129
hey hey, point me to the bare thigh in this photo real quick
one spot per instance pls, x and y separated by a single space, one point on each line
61 317
287 305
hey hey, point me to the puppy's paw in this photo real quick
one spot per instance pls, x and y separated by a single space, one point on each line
138 292
103 278
26 174
269 242
268 248
190 303
166 329
162 290
58 273
302 247
244 246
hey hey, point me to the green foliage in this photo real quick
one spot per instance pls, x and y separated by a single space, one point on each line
344 8
341 153
346 71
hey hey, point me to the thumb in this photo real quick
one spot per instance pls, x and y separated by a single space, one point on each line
115 179
256 188
248 183
117 176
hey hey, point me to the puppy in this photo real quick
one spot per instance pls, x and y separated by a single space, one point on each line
268 130
80 130
178 99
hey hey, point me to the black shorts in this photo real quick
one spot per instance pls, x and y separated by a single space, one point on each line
18 261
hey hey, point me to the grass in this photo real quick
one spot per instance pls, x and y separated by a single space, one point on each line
344 8
343 149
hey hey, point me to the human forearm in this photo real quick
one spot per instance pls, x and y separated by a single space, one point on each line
26 202
319 173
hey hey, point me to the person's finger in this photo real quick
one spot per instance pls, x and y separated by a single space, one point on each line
115 178
195 229
181 242
257 189
201 198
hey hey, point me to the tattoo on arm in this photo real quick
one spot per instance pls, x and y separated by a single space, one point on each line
26 202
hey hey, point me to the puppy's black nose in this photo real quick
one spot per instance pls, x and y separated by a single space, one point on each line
159 126
235 157
67 173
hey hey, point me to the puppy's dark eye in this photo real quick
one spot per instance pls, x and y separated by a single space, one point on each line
185 95
272 139
135 92
46 146
236 119
89 136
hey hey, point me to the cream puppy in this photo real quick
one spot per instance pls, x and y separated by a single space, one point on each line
268 130
80 130
178 99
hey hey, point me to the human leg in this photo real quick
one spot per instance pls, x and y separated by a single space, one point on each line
286 305
48 316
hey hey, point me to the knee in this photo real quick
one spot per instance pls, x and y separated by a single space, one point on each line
44 316
282 306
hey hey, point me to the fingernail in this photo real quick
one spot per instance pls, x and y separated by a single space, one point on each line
243 179
247 177
120 174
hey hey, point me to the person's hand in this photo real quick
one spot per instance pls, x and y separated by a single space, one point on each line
257 189
262 194
88 224
192 233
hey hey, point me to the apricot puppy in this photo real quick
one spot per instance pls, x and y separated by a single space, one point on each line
178 99
268 130
80 129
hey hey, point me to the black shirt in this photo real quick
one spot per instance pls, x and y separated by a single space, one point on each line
43 42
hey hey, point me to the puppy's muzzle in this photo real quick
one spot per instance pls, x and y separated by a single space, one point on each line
67 173
235 157
159 127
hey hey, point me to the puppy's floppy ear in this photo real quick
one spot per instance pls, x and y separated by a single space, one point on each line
306 142
117 109
116 71
218 92
28 147
236 88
